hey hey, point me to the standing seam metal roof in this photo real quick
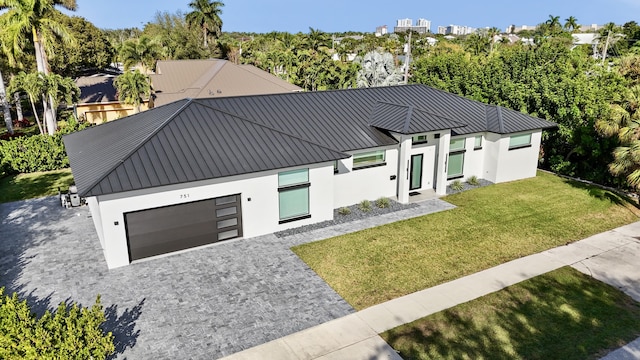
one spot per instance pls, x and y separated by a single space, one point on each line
192 140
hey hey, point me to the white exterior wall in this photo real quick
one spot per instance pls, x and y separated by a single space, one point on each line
96 216
260 207
520 163
491 149
352 186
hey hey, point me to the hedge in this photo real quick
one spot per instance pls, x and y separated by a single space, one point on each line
71 332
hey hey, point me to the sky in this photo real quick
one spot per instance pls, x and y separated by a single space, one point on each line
261 16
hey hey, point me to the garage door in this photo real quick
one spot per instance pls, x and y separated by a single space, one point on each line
177 227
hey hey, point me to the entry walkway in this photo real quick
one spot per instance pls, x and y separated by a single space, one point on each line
610 256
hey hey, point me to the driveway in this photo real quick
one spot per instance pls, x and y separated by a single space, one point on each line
200 304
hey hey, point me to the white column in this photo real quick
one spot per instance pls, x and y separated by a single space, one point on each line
441 163
404 162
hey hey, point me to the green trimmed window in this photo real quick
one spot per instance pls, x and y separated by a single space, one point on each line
455 165
478 142
293 194
368 159
519 141
419 139
457 144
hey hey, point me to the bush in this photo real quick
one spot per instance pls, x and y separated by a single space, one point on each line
457 185
365 206
344 211
71 332
473 180
383 203
33 153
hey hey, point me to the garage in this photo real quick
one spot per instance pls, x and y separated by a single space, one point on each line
163 230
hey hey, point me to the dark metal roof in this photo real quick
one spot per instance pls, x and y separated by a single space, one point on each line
181 142
406 119
192 140
97 88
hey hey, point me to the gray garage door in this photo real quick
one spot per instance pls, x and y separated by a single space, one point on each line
177 227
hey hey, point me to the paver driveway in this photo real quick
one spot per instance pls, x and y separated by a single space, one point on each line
200 304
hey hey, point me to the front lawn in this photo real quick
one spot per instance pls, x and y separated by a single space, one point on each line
33 185
563 314
490 226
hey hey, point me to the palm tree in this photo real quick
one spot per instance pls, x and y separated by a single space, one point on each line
5 105
206 15
571 24
625 124
33 85
492 33
35 18
142 51
553 22
133 87
377 70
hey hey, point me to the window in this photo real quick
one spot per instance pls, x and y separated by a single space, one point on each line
455 164
293 195
456 144
335 167
368 159
419 139
519 141
478 143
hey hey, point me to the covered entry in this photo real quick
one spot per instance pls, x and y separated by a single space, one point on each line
177 227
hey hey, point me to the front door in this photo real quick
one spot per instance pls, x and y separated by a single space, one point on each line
416 172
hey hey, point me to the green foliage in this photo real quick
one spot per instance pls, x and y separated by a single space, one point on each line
364 206
473 180
344 211
383 203
71 332
34 153
133 87
457 185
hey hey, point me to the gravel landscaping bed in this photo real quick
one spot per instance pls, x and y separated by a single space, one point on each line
354 214
481 183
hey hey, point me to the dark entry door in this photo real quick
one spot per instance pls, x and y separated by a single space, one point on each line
177 227
416 172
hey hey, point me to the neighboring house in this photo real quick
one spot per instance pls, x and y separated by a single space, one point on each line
99 100
182 79
198 171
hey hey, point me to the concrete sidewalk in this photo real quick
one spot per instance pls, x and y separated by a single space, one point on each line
610 256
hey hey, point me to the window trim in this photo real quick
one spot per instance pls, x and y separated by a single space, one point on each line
464 145
418 142
481 142
522 146
370 165
291 187
456 176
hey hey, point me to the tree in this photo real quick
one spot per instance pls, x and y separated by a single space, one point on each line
553 22
492 33
377 70
142 51
36 19
571 24
133 87
33 85
206 16
624 124
174 38
5 106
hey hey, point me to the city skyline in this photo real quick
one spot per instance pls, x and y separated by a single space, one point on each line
337 16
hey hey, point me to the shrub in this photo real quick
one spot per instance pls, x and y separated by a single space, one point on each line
33 153
473 180
71 332
457 185
344 211
365 206
383 203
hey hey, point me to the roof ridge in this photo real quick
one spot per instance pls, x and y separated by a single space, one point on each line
500 119
407 120
419 109
195 101
208 76
140 144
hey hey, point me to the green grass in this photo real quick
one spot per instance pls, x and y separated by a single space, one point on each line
34 185
490 226
560 315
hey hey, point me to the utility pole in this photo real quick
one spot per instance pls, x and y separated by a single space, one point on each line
407 60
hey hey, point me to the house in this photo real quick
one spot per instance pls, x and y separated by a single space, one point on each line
181 79
198 171
99 100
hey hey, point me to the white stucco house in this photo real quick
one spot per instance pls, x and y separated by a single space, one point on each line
199 171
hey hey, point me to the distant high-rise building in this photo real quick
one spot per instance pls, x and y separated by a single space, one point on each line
382 30
456 30
422 26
